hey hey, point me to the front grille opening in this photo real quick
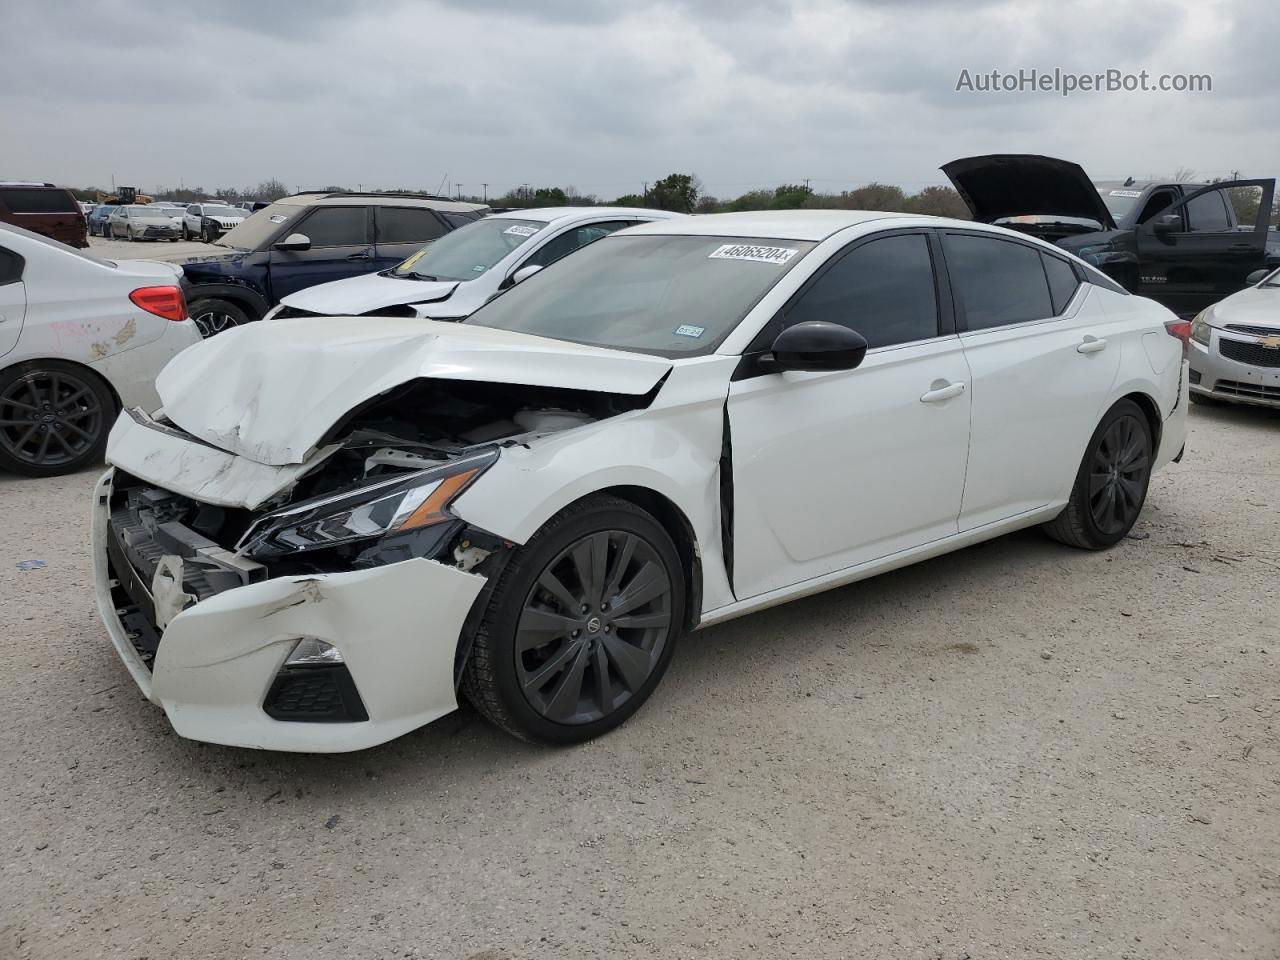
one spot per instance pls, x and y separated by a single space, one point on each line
1254 354
1253 391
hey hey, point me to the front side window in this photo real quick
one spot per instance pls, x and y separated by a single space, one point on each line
336 227
469 251
1207 213
572 239
883 289
996 282
673 296
407 225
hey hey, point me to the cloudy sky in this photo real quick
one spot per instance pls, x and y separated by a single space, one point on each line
605 94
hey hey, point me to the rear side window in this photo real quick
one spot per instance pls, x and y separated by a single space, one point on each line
407 225
35 200
1062 282
456 220
336 226
10 267
996 282
883 289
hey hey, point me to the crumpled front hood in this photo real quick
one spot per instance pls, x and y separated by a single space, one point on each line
271 391
1252 307
372 291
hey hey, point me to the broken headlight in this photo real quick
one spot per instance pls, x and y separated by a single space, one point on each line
406 502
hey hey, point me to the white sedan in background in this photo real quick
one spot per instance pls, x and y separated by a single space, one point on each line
340 523
1235 346
80 338
451 277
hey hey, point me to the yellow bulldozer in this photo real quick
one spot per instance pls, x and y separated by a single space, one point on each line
123 197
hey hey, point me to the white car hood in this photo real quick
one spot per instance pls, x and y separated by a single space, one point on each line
372 291
1254 307
271 391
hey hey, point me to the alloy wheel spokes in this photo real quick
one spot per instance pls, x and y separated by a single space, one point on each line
1117 474
49 418
593 627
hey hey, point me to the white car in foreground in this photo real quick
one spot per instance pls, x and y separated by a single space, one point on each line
453 276
340 522
80 337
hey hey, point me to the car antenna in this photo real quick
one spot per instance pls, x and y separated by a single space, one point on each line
1129 182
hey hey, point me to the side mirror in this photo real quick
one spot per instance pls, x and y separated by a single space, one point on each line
815 345
1169 223
523 274
1255 278
294 241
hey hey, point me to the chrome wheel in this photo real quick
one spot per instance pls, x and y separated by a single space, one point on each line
1118 475
593 627
49 419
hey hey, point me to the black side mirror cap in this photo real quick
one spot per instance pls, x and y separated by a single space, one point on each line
1169 223
1255 278
815 345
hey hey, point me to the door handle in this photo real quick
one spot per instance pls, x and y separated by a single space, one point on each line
1091 345
943 392
364 255
1241 246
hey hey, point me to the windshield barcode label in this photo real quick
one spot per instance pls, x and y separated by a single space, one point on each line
520 230
746 251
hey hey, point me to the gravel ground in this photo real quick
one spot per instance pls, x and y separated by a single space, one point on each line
150 249
1019 750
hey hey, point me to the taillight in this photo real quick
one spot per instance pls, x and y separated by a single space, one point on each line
166 302
1182 330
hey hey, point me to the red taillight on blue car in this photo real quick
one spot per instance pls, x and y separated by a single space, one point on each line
167 302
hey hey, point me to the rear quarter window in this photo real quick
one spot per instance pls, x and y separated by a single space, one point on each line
37 200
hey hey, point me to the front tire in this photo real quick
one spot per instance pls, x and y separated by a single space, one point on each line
215 315
581 625
1111 484
54 418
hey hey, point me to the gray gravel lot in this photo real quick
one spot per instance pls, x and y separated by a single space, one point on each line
1015 751
150 249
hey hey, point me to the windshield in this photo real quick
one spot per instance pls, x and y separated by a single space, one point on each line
1119 201
469 251
675 296
144 212
212 211
252 232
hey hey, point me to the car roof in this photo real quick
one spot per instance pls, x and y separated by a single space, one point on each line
815 225
380 200
553 214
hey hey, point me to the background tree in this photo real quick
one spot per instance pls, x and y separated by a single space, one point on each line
270 189
676 191
791 196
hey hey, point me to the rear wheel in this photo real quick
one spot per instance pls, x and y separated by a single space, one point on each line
54 418
1111 484
581 625
214 315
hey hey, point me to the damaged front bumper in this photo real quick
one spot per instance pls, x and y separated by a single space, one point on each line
213 666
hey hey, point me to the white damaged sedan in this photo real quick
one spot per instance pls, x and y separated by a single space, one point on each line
336 525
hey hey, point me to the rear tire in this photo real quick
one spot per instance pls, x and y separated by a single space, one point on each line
581 625
54 418
1111 484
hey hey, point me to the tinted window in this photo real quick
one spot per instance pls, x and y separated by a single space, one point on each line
1155 203
883 289
20 200
571 240
406 225
335 226
996 282
1207 212
1062 282
456 220
10 266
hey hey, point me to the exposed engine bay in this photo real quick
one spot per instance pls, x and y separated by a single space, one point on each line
378 494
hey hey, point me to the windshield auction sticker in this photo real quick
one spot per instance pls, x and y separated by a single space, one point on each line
746 251
519 230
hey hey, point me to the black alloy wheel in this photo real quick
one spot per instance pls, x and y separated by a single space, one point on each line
1111 484
214 316
53 419
593 627
1118 475
581 625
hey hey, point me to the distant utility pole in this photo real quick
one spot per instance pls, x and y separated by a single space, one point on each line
459 186
644 192
486 192
806 183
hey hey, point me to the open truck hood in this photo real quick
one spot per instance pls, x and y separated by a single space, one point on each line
372 291
1001 185
271 391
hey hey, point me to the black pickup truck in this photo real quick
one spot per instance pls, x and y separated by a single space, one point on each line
1181 244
